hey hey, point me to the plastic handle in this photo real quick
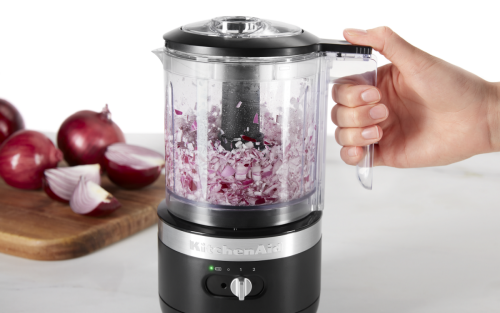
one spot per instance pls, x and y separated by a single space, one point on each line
364 169
355 68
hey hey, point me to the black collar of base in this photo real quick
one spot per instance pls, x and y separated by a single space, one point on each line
304 43
186 226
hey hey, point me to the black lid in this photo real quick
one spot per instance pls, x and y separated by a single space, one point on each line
241 36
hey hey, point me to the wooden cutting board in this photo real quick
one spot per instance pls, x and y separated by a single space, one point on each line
36 227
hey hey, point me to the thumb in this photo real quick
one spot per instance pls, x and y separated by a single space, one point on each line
397 50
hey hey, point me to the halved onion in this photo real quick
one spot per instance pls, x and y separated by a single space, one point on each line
132 167
91 199
60 183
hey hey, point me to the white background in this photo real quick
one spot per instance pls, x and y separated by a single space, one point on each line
58 57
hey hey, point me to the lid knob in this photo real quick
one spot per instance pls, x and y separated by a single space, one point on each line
232 25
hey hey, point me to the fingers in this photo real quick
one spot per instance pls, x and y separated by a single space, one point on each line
353 95
357 106
389 44
358 136
362 116
351 155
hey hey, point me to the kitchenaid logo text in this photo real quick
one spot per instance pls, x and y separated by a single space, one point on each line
259 249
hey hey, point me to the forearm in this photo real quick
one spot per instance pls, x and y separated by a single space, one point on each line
493 117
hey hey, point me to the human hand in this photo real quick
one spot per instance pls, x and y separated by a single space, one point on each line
424 111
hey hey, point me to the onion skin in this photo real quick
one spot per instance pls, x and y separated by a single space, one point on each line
105 208
84 136
25 156
10 120
129 178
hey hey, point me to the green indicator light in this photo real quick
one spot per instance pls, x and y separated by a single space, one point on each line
211 268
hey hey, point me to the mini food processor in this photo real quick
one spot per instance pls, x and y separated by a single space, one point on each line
245 134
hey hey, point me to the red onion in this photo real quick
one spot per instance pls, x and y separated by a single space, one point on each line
247 181
266 174
132 167
248 138
241 171
278 172
227 171
60 183
10 120
91 199
256 172
24 156
84 136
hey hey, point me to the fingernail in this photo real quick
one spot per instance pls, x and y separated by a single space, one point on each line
352 152
370 95
378 112
370 133
356 32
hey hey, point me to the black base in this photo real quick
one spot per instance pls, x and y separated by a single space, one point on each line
165 308
285 285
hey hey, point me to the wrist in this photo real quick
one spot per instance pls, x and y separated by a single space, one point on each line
493 117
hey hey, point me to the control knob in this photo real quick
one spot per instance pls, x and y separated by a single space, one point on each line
241 287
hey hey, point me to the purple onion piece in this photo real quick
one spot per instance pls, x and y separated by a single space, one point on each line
256 118
62 181
266 174
91 199
228 171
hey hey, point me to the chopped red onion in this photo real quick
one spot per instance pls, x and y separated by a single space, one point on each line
256 118
256 172
266 174
247 181
243 176
238 105
228 171
241 171
260 201
178 112
246 138
249 145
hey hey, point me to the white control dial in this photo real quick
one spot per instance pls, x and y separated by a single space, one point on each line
241 287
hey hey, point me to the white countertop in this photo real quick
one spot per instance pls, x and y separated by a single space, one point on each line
424 240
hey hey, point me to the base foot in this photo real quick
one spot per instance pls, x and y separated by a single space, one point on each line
165 308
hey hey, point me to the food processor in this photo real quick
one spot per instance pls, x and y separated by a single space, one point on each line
245 135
